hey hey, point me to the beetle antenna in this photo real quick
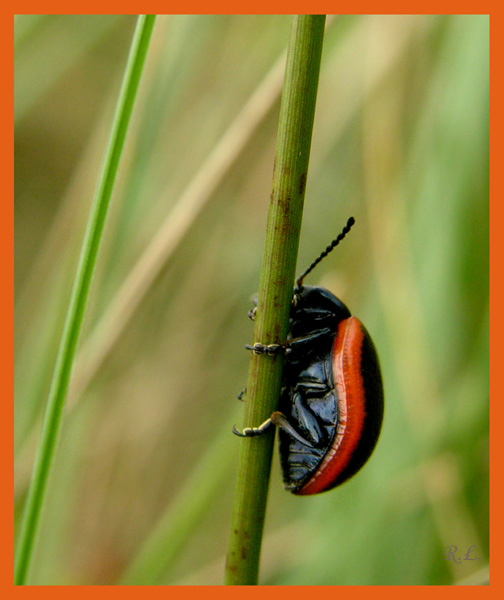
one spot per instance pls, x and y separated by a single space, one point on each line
329 248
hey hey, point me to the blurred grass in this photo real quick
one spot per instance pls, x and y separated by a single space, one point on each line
401 142
56 401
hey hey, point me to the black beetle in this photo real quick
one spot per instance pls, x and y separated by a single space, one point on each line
331 406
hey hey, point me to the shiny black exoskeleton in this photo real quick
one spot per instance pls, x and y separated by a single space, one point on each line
331 406
309 398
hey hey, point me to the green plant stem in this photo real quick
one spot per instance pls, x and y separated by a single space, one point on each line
275 293
70 337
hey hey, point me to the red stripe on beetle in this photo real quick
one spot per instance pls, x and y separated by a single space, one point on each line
349 383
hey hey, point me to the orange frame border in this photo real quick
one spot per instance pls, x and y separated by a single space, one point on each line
496 288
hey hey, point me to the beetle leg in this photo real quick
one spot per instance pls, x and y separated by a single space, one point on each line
290 345
253 431
281 421
278 419
313 387
252 312
301 342
259 348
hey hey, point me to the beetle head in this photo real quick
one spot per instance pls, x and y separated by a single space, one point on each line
312 298
315 308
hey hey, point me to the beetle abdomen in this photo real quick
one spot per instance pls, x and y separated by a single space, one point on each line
300 460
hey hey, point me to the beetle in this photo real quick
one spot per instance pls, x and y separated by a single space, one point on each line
331 405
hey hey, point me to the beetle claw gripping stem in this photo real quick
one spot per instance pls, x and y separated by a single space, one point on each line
253 431
259 348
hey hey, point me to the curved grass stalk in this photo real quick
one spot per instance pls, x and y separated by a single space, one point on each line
78 301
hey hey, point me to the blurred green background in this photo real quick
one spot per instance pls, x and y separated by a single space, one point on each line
143 479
